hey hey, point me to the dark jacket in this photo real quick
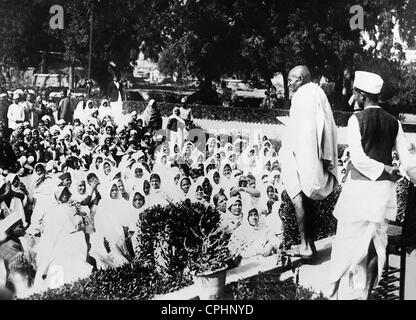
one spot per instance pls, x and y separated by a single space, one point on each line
4 107
113 91
65 110
7 157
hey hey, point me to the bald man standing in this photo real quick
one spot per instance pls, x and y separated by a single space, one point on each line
309 154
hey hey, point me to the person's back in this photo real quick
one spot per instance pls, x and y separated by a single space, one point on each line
378 130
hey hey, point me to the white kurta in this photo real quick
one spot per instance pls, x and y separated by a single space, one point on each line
16 113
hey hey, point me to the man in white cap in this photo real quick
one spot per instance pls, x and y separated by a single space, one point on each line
308 155
16 112
368 197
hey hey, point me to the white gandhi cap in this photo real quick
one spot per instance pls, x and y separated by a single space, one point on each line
368 82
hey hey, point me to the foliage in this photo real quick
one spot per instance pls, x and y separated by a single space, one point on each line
407 88
24 31
129 282
209 39
182 237
242 114
165 96
267 286
324 222
402 189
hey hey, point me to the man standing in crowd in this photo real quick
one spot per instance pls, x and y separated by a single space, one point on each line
43 109
4 107
16 112
368 198
8 160
309 154
65 111
116 94
31 111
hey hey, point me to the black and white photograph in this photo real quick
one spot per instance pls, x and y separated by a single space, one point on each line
177 150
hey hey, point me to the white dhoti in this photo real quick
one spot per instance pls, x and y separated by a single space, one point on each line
362 211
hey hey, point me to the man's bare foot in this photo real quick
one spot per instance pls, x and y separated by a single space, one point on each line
332 292
300 252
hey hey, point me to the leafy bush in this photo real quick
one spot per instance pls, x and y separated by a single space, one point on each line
402 189
324 222
129 282
252 115
182 237
165 96
267 286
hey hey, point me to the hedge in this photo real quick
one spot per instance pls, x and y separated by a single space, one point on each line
242 112
267 286
253 115
324 222
129 282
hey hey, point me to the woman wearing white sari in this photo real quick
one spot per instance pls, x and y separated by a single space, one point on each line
269 205
108 244
41 191
16 199
162 164
211 147
253 239
182 188
157 194
106 172
215 180
233 217
104 110
187 154
62 250
80 112
138 173
139 205
196 192
227 182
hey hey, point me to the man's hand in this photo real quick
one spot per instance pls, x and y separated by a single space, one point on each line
393 173
234 191
327 165
8 187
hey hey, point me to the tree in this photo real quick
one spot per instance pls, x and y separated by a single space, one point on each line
24 32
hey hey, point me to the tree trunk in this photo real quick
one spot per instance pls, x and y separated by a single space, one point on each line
339 82
347 86
71 76
286 89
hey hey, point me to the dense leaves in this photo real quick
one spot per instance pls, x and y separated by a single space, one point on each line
180 237
209 39
129 282
267 286
254 115
324 222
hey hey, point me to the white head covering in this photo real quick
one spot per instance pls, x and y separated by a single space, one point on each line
368 82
